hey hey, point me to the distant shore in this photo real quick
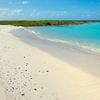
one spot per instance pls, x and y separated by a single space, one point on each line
46 22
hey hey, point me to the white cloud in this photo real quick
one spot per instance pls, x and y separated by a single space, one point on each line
10 13
48 14
24 2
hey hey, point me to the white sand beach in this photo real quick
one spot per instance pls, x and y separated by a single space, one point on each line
30 73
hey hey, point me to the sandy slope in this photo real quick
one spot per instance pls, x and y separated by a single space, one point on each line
27 73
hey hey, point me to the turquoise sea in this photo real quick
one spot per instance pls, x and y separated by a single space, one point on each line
86 36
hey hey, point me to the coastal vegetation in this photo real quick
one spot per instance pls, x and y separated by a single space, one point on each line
44 22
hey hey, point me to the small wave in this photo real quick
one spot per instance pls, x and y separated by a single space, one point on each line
37 34
77 44
72 43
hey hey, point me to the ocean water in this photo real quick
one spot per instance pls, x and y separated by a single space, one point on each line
86 36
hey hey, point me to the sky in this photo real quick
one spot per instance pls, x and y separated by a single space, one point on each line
49 9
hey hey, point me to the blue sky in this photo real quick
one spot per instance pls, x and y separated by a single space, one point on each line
49 9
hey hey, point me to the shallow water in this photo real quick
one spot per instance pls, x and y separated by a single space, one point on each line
85 36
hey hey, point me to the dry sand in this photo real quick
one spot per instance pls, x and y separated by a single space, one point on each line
28 73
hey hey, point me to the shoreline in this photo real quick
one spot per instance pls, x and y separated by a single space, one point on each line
35 69
61 51
84 48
